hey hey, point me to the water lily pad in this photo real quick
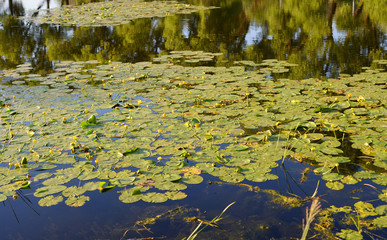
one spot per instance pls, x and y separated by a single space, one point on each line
130 196
349 180
381 210
112 13
381 221
237 148
332 177
349 234
154 197
166 185
335 185
48 190
175 195
50 201
3 197
73 191
77 201
192 179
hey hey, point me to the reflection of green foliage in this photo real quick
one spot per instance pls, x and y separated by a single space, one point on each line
377 11
302 31
12 42
299 31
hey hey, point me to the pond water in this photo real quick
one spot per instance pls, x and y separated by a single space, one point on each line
324 42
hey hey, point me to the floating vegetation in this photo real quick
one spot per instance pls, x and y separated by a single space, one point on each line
148 131
187 57
116 12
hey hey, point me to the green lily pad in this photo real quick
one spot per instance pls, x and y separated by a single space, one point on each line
332 177
50 201
237 148
349 180
381 221
73 191
335 185
48 190
77 201
192 179
3 197
130 196
154 197
166 185
349 234
175 195
365 209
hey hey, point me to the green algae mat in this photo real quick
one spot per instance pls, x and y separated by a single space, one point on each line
116 12
150 130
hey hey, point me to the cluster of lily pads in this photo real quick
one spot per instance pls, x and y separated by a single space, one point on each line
187 57
111 13
149 130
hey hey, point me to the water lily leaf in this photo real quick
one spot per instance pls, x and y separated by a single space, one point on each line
335 185
48 190
122 182
46 166
107 173
365 175
331 150
256 177
349 234
166 185
105 187
315 136
154 197
340 105
380 210
175 195
3 197
92 119
172 177
349 180
132 195
332 177
190 171
192 179
73 191
87 175
77 201
383 196
381 180
50 201
127 196
25 185
91 186
345 209
381 221
237 147
365 209
43 175
61 179
129 151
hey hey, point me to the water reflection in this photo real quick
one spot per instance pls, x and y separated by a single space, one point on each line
325 38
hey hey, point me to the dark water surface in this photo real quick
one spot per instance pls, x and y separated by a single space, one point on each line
325 38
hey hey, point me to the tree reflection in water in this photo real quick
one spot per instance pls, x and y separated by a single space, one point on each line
323 37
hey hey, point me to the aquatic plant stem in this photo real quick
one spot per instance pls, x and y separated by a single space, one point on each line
215 219
315 208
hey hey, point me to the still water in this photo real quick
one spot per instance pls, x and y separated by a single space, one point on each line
325 38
